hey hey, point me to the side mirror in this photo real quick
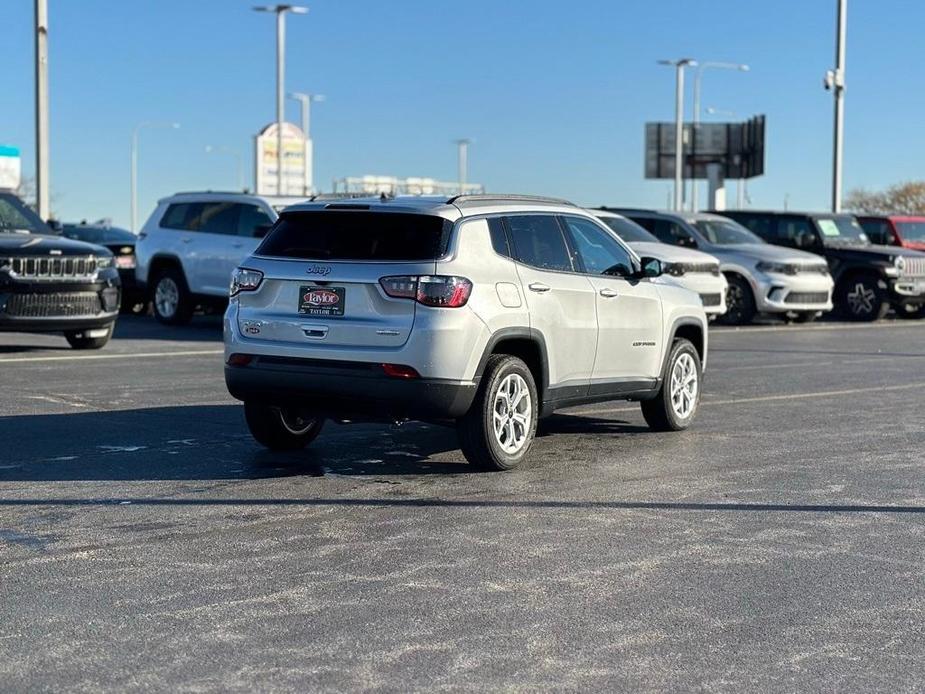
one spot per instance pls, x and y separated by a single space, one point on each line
262 230
55 226
804 239
686 242
651 267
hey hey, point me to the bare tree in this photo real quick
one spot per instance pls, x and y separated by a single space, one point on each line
902 198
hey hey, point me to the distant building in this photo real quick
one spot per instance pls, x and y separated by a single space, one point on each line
392 185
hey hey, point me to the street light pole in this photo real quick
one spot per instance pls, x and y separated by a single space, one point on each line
463 163
280 11
698 78
308 174
134 172
42 182
835 80
679 66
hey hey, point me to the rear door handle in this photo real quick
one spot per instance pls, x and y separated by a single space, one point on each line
538 287
236 245
186 239
608 293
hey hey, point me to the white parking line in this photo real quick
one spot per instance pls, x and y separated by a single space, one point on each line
774 398
880 325
136 355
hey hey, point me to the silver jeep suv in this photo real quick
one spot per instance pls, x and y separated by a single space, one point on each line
486 312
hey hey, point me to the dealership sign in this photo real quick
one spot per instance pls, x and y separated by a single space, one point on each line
295 150
10 168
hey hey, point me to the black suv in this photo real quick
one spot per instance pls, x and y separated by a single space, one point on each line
869 279
52 284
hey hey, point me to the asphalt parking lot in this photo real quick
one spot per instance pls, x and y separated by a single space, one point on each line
147 543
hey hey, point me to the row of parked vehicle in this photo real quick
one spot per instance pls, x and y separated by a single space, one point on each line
742 263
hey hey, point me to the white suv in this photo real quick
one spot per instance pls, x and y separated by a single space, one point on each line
487 312
692 269
191 244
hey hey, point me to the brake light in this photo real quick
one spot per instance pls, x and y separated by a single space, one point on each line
441 291
244 280
240 359
400 371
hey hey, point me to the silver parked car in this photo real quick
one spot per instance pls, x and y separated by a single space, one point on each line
762 278
694 270
486 312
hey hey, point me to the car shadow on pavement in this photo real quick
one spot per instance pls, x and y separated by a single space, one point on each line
201 329
211 442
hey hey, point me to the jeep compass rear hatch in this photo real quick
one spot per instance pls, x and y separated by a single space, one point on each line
341 278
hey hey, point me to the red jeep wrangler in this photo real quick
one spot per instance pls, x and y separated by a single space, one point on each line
895 230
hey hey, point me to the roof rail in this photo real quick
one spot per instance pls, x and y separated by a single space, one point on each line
613 208
216 192
321 197
501 197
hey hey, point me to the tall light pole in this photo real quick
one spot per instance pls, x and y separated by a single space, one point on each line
698 78
835 81
308 174
239 162
679 66
280 11
463 162
42 182
134 176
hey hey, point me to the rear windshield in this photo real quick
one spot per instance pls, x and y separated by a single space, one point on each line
349 235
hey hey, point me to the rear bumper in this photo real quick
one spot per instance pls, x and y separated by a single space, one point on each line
347 389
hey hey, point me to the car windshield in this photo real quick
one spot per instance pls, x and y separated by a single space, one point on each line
628 231
724 232
911 231
15 217
98 234
841 230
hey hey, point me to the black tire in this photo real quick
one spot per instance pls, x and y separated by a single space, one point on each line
476 430
281 429
860 298
910 312
659 412
740 302
78 339
803 317
170 280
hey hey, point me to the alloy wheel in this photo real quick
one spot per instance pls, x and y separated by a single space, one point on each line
684 386
861 299
167 297
512 412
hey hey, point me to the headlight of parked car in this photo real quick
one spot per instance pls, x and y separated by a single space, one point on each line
777 268
244 280
104 262
673 269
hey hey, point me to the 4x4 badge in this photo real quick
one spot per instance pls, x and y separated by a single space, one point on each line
318 270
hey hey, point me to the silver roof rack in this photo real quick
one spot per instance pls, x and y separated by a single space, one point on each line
488 197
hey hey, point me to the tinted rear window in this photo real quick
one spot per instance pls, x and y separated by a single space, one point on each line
386 236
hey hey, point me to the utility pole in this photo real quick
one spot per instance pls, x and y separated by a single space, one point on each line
280 11
463 163
835 81
42 181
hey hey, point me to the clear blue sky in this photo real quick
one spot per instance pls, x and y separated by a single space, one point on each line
554 94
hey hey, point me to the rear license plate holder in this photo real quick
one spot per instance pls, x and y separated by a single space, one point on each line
322 301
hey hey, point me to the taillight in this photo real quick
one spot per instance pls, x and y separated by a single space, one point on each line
244 280
441 291
400 371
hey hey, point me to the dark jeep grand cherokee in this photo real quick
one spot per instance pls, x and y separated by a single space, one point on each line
52 284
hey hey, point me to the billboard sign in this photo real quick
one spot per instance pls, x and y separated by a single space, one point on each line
737 147
10 168
295 151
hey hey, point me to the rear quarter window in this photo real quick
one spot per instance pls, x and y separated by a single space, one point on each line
356 235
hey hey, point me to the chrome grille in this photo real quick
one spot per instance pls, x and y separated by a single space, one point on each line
711 299
806 298
915 267
55 305
51 267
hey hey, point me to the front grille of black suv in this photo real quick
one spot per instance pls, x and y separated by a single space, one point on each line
57 305
51 267
806 298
